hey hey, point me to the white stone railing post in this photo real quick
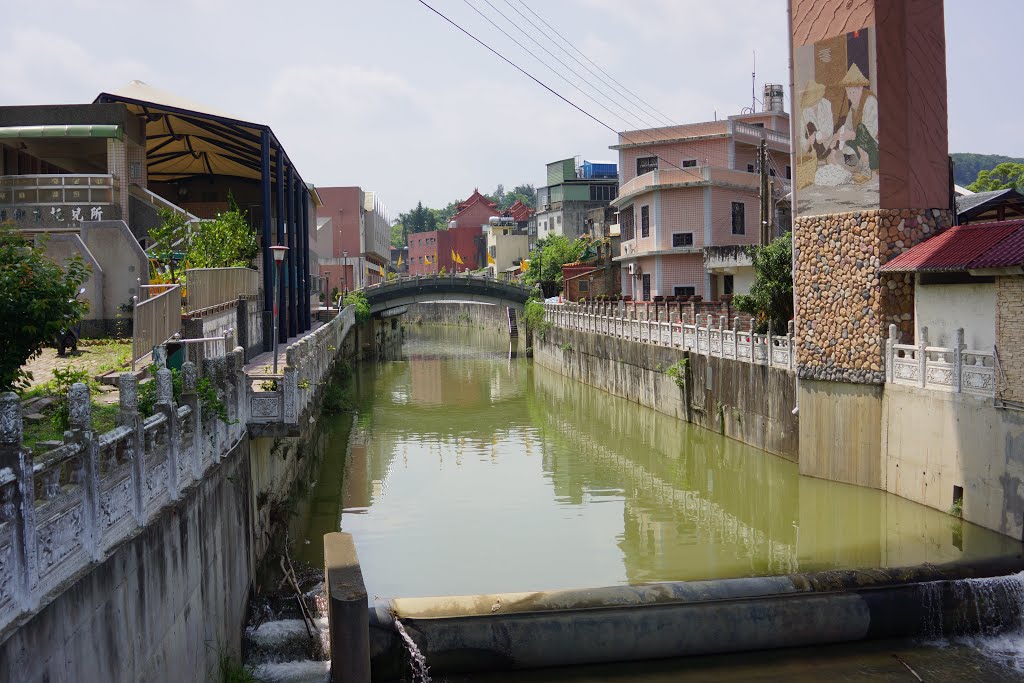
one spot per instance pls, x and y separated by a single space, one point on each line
790 334
18 504
890 351
958 360
165 405
736 337
922 358
210 370
128 416
189 379
86 472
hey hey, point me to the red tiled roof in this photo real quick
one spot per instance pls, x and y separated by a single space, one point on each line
965 247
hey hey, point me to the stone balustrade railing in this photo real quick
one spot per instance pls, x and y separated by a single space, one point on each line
72 505
283 398
618 320
954 369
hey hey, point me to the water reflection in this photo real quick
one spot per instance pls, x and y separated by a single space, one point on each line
472 471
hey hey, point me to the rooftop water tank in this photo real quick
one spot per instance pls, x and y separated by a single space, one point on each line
774 98
598 170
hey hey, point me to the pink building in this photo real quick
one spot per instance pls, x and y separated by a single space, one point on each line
361 239
690 192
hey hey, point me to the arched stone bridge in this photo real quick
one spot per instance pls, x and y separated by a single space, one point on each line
415 289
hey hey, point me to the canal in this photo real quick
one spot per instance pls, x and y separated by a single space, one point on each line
468 469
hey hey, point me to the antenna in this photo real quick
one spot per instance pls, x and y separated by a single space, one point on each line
753 85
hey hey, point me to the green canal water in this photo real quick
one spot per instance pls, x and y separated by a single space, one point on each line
469 470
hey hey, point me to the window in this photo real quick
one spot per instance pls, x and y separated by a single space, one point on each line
771 172
603 193
646 165
688 163
789 173
739 220
684 291
750 168
626 222
682 239
584 286
645 221
558 219
727 284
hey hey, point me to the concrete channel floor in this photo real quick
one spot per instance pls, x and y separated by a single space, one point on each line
865 661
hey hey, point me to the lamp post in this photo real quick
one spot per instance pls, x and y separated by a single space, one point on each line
327 289
344 270
279 253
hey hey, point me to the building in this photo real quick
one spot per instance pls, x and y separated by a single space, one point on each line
507 246
400 259
361 237
596 274
94 177
689 188
572 190
996 205
429 252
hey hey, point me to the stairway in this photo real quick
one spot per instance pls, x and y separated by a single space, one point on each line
513 326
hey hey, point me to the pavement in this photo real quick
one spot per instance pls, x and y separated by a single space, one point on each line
91 356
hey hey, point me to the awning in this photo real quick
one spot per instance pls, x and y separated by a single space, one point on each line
104 130
185 139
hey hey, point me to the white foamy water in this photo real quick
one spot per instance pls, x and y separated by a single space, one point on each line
985 602
304 671
417 662
272 633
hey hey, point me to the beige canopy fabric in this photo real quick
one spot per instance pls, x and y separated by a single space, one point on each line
186 139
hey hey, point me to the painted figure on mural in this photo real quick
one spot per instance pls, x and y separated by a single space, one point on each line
858 125
838 127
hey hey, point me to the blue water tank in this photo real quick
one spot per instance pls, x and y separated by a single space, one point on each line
600 170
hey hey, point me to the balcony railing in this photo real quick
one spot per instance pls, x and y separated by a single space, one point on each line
209 287
955 369
696 174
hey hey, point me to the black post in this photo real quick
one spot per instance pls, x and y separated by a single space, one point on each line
293 246
307 315
282 331
268 259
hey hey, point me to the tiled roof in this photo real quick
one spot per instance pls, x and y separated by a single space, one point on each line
965 247
971 201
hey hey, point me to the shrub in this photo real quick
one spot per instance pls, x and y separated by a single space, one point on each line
677 372
358 299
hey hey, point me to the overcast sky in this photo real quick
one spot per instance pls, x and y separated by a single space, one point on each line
385 94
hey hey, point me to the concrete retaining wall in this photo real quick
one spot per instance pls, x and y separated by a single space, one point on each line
164 606
932 441
747 402
458 315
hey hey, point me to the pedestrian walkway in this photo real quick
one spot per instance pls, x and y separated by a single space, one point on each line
263 364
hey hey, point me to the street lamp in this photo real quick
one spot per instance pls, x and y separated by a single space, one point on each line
344 271
279 253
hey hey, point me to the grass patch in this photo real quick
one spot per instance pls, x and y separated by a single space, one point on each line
104 418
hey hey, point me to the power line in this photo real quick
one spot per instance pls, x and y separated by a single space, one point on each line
546 86
610 94
549 67
653 109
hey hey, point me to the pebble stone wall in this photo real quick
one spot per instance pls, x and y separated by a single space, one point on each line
1009 332
844 303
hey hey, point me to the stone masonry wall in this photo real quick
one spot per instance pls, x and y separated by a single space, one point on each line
1009 332
844 303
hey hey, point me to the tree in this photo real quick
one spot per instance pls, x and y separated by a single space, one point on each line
397 234
1007 175
967 166
548 257
226 241
771 296
38 298
169 238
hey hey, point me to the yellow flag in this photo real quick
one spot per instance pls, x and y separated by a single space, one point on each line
490 259
524 266
455 257
426 259
399 261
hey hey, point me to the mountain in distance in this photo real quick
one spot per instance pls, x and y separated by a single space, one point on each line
967 165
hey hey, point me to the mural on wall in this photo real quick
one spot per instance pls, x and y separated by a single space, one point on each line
837 125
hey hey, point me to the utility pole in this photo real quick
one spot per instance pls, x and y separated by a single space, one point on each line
764 236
